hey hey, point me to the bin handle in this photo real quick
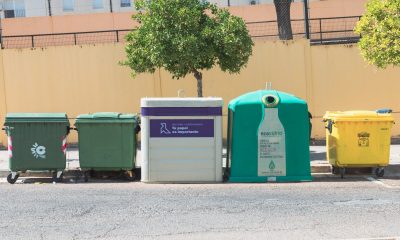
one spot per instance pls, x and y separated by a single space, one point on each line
329 125
384 110
137 129
71 128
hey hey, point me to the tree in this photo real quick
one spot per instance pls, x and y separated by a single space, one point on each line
282 8
380 31
186 37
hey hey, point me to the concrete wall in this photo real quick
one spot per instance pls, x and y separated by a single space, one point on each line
122 20
82 79
65 24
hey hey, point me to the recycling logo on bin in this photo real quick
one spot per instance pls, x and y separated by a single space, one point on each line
38 151
181 128
164 129
363 139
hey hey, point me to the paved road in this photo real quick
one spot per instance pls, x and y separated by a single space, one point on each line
328 208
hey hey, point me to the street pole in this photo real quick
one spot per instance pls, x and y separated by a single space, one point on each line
111 8
229 3
49 3
1 29
306 20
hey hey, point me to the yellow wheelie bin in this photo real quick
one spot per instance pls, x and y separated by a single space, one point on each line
358 139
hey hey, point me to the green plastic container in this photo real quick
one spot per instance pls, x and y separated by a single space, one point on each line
37 141
268 138
107 141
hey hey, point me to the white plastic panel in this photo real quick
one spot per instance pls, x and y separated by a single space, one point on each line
186 159
181 102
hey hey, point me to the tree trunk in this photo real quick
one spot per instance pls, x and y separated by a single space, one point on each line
282 8
199 77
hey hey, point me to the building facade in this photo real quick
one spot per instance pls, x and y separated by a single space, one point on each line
40 8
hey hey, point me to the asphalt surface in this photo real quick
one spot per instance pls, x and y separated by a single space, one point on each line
328 208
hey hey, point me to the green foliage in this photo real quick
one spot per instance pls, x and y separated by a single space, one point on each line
380 31
185 37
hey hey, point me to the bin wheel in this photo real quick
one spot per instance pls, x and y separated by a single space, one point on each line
335 170
342 172
57 179
225 178
86 176
11 180
379 172
130 176
138 173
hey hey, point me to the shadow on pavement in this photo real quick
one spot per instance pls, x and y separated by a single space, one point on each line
318 156
71 180
352 177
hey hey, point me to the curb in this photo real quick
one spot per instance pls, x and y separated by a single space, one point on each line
320 170
393 170
67 173
315 169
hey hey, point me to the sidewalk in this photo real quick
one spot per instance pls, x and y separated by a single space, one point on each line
319 163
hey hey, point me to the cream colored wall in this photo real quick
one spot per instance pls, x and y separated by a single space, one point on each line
342 80
82 79
72 79
3 105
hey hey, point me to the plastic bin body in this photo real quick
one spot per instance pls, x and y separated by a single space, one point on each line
358 138
37 141
107 141
268 143
181 140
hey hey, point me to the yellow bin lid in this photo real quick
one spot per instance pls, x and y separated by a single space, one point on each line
348 116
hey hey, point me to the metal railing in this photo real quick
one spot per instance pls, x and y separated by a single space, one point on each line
322 31
337 30
60 39
333 30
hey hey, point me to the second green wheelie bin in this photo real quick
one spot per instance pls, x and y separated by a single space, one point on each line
107 142
37 142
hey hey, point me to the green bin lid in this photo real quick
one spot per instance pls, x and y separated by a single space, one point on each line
269 98
106 117
36 117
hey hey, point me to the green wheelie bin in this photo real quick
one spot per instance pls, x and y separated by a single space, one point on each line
36 142
107 142
268 138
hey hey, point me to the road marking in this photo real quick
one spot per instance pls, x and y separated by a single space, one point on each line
379 238
379 182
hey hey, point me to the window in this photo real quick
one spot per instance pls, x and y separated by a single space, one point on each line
68 5
97 4
14 8
9 14
125 3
